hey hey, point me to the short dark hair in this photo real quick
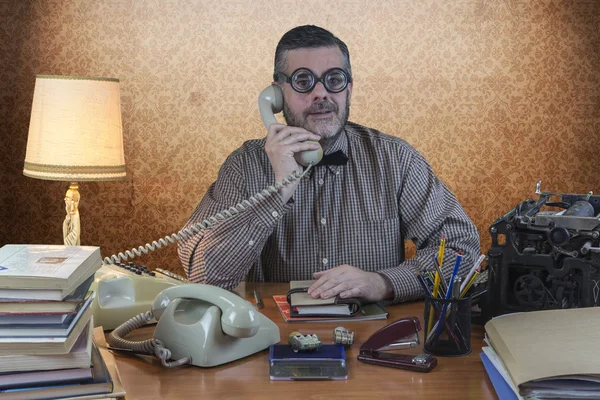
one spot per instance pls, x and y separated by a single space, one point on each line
307 36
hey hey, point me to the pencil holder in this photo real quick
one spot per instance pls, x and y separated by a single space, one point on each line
447 326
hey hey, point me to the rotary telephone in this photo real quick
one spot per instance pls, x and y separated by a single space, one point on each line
198 324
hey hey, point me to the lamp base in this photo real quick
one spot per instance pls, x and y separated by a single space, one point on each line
71 225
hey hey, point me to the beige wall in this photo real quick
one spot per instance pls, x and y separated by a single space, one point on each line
495 94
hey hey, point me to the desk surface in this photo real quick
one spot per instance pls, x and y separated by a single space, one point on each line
248 378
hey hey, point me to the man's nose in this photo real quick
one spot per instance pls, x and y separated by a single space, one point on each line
319 92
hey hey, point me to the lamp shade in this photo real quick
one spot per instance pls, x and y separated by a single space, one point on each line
75 131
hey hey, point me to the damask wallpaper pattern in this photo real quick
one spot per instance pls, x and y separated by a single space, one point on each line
495 93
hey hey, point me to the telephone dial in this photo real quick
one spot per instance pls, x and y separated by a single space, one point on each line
199 324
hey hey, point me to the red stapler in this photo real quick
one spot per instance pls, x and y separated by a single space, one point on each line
400 334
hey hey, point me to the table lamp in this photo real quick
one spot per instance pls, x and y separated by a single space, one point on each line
75 135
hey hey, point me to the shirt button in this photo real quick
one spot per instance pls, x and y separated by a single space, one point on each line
323 221
325 261
321 181
275 214
251 243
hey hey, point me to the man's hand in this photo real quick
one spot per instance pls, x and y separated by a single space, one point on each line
282 143
349 281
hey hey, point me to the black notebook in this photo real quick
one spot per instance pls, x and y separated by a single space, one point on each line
304 305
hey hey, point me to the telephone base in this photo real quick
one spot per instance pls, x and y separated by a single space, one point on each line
122 294
192 328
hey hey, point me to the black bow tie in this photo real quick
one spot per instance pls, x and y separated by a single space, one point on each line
335 158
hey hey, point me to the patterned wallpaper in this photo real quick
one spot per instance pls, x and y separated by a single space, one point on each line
495 93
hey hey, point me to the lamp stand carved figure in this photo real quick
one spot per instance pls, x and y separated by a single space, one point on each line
75 135
71 225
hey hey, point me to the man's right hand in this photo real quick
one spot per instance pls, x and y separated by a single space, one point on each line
282 143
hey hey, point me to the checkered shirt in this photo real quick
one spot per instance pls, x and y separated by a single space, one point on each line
356 214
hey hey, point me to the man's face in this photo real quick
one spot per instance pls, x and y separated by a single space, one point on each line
317 111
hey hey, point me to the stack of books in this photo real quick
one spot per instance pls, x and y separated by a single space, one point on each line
550 354
46 324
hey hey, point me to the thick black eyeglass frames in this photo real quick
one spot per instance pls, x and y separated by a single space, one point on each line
303 80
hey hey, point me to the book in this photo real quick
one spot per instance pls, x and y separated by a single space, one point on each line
45 345
69 304
32 319
78 357
45 272
368 312
100 383
48 330
109 360
303 304
43 378
551 353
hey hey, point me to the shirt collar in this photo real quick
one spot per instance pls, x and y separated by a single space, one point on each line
341 143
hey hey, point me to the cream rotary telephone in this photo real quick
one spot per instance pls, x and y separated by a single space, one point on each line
201 325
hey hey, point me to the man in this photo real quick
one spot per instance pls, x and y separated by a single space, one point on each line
343 224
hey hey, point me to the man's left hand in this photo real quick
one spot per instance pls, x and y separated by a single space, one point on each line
348 281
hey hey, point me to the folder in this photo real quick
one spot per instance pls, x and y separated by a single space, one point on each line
552 353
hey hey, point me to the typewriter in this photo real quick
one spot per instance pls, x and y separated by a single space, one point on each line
545 254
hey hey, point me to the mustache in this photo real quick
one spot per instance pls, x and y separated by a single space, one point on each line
322 106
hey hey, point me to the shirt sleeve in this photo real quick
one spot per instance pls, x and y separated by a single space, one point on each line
428 209
223 253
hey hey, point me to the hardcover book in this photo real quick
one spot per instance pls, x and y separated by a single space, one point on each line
69 304
45 272
78 357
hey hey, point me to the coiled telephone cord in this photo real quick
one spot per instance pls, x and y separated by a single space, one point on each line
210 221
150 346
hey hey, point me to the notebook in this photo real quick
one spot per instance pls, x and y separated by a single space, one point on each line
304 305
368 312
552 353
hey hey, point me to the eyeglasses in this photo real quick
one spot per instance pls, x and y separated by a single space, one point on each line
303 80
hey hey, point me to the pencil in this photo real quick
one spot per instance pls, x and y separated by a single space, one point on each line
464 291
448 294
436 281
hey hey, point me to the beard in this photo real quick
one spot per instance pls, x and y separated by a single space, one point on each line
327 128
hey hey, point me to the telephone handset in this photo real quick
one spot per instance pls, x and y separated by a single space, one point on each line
270 101
202 325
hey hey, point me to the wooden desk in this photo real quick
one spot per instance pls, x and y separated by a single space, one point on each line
248 378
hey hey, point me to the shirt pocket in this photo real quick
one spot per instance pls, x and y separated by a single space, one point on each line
373 245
